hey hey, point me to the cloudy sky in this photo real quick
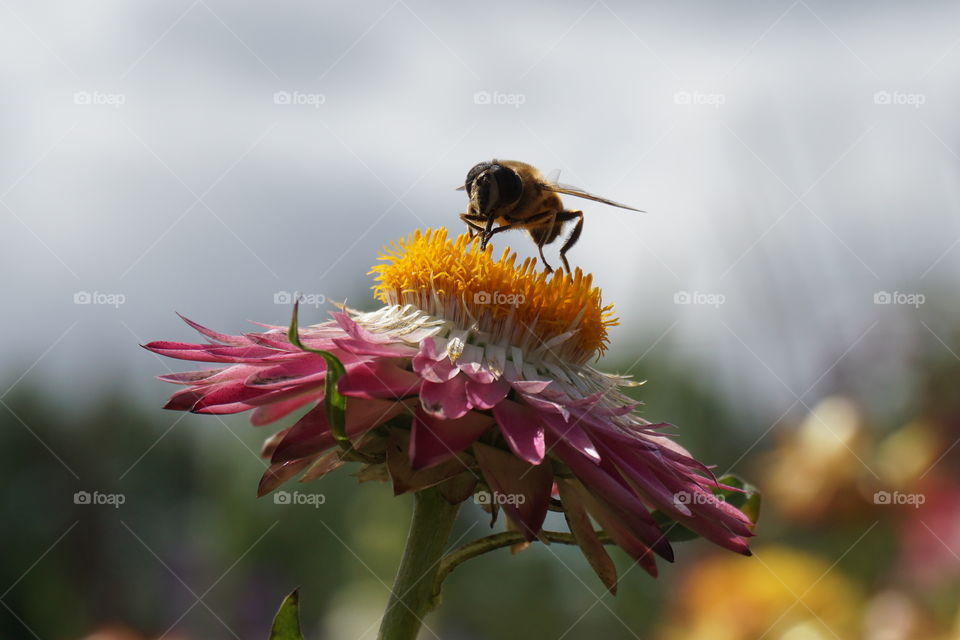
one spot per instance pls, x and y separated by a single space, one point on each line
796 159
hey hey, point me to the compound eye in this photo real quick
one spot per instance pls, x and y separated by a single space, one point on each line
509 184
474 172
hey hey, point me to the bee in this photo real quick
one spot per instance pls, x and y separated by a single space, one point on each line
507 194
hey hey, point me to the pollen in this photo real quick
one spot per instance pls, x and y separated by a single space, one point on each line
558 313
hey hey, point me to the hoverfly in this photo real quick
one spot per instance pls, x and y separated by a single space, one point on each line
507 194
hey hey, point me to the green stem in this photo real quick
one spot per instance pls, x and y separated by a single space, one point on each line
412 596
495 541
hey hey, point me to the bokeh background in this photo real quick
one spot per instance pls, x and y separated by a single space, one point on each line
790 296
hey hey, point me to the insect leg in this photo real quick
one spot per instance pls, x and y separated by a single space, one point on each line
473 225
543 228
487 233
566 216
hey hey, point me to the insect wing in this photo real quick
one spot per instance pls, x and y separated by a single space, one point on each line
580 193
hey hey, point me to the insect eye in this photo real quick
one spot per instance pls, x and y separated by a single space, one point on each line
509 184
474 172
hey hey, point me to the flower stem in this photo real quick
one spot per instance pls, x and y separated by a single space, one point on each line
412 596
495 541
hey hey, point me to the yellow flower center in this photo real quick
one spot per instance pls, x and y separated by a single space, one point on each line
503 298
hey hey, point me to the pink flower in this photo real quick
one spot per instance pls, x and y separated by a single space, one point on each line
473 373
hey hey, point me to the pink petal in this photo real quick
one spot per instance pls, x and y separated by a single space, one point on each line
433 440
570 433
445 399
379 380
522 430
524 489
432 366
213 335
311 434
486 396
273 412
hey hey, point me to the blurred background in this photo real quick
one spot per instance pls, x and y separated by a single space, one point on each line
790 296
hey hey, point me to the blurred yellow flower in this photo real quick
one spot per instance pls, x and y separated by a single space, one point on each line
817 468
779 594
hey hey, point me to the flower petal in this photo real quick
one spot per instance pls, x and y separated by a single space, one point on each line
311 434
432 365
524 488
379 380
446 400
486 396
522 430
433 440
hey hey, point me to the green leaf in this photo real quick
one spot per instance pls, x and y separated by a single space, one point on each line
334 403
672 530
747 499
286 624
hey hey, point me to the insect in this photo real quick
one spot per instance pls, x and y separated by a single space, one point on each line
507 194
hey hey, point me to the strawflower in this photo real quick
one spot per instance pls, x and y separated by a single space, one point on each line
473 376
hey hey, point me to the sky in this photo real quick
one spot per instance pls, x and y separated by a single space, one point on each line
796 161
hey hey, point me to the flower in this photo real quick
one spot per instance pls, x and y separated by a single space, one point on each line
474 369
783 593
